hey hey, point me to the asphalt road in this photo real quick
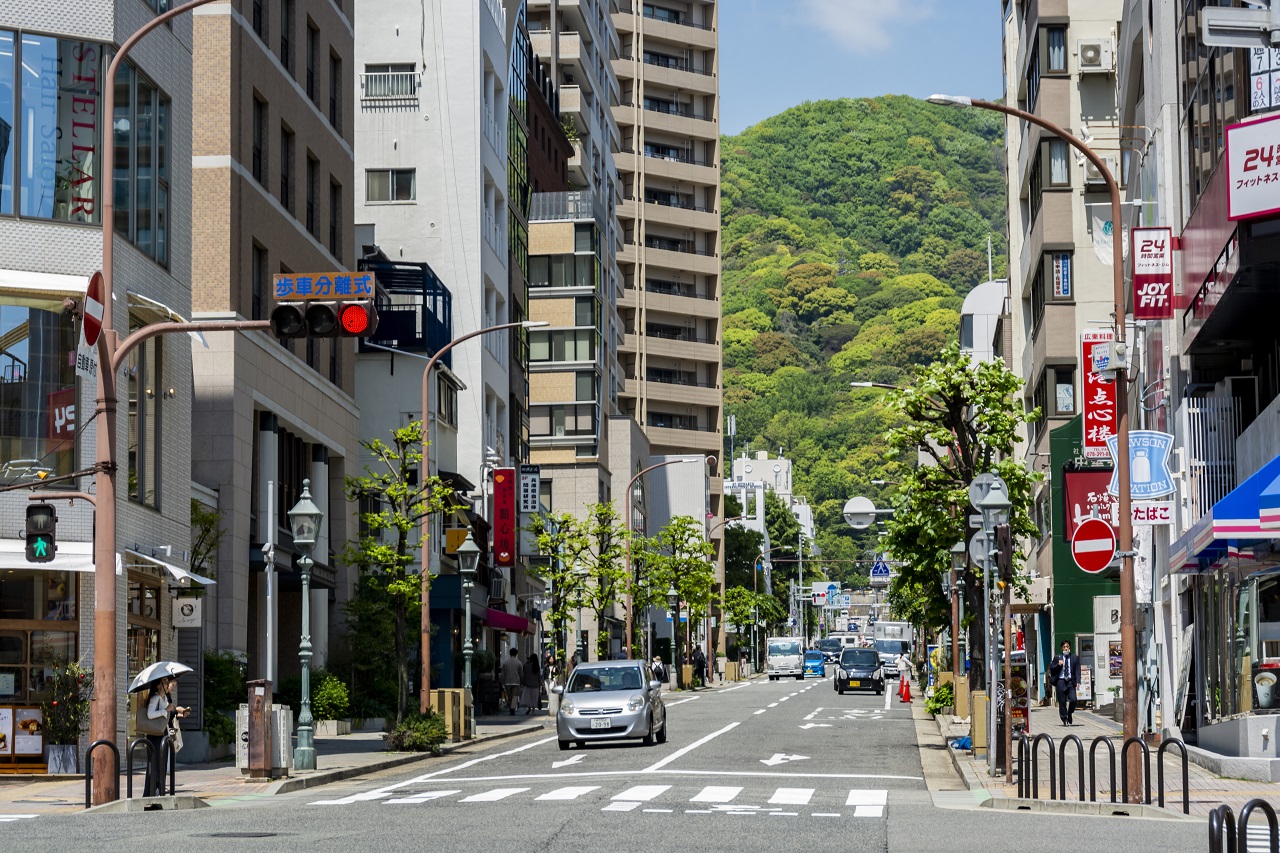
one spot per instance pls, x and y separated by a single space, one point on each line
761 766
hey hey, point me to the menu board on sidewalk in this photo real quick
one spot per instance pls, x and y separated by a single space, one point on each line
28 737
6 731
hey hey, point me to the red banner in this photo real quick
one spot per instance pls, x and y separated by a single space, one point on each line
504 516
1099 399
1152 253
1084 493
60 421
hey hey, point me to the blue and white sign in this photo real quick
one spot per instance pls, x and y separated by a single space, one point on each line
880 570
1149 474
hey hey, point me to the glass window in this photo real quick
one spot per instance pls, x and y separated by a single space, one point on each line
584 311
584 238
38 408
26 650
146 389
1059 168
1056 59
8 144
1064 393
144 162
585 387
391 185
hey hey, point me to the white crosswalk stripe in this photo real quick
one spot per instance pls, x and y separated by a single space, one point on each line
492 796
4 818
867 803
424 797
642 793
716 794
569 793
791 796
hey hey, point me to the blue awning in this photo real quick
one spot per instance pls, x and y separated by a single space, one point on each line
1250 511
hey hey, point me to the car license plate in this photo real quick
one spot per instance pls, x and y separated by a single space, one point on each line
855 683
601 724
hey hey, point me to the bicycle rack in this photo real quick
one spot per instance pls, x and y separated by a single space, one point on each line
1093 767
1242 827
1186 787
1062 765
88 767
1124 767
1024 784
1222 830
128 773
1035 766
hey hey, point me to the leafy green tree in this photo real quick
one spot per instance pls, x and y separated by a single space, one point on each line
966 417
206 538
560 539
389 542
680 558
606 574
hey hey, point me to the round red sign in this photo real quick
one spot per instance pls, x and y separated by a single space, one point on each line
1093 546
93 310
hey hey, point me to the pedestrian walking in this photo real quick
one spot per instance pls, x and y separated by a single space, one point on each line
512 677
157 719
1064 670
699 662
531 689
904 670
659 669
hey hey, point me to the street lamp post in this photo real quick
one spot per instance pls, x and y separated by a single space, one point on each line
424 685
995 508
627 520
1128 597
673 601
468 559
304 520
958 552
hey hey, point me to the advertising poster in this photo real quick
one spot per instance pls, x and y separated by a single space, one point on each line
1115 663
1152 253
504 516
6 731
28 735
1084 693
1020 709
1099 399
1085 493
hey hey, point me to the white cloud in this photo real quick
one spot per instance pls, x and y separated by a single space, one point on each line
866 26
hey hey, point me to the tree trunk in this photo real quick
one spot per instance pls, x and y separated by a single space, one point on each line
977 631
402 662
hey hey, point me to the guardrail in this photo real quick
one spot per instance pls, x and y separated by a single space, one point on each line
1229 835
1028 769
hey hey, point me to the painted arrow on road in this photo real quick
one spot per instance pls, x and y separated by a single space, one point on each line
567 761
816 726
782 758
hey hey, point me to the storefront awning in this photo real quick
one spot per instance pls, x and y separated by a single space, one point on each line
504 621
44 291
181 576
1237 517
70 556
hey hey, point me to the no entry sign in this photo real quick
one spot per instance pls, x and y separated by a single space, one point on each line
93 310
1093 547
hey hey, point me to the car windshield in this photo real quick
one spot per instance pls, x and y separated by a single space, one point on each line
813 655
891 647
859 657
784 647
829 645
604 679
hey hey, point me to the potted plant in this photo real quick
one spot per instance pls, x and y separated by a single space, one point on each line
65 713
1117 707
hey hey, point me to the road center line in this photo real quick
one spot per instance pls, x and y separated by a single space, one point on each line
681 702
887 699
679 753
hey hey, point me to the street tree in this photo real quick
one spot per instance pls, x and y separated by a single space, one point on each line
681 558
394 502
559 538
602 558
965 417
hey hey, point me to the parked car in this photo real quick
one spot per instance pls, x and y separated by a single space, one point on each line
610 700
859 669
815 663
830 648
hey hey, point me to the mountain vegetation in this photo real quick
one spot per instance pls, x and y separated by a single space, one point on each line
852 229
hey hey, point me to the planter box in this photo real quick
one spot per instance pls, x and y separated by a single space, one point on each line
332 728
63 758
372 724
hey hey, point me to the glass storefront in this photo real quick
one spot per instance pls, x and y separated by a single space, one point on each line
37 392
37 624
143 642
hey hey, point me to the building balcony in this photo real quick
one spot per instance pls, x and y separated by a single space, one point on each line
688 349
574 205
1054 337
675 298
665 24
415 309
1207 429
390 89
670 165
675 393
668 72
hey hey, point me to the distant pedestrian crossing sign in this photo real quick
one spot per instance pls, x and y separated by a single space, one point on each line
880 573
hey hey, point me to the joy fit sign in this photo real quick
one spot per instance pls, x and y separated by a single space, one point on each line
1099 399
1152 253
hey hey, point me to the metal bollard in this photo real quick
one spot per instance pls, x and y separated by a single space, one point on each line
1035 768
128 763
1062 765
1222 830
1093 767
1186 786
1024 784
88 767
1242 827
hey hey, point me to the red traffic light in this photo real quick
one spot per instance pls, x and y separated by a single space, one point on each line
354 318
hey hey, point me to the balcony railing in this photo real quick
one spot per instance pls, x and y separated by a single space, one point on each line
390 86
673 202
496 132
575 204
415 309
664 15
676 422
671 288
1209 427
672 156
683 246
672 334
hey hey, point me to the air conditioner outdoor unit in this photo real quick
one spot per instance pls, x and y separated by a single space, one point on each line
1092 175
497 588
1096 55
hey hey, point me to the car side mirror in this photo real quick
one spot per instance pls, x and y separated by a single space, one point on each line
557 689
655 684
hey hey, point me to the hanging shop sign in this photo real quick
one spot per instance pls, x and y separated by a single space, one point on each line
1152 255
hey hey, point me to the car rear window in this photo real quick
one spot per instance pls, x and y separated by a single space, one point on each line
859 657
813 655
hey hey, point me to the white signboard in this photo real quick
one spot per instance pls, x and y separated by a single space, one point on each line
1253 168
530 485
188 612
29 737
1151 513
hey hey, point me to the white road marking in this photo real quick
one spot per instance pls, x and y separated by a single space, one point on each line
569 793
681 702
620 807
782 758
658 811
697 811
423 797
825 814
867 798
868 811
761 711
811 716
555 765
785 698
783 814
10 817
492 796
791 796
815 726
679 753
888 697
716 794
642 793
773 704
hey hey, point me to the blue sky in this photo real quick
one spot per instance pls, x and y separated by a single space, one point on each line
775 54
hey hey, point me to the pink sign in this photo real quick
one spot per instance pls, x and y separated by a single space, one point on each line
1099 399
1152 253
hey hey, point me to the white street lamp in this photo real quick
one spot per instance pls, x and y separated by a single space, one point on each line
468 561
304 520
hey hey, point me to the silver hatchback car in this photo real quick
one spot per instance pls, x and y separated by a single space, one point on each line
610 700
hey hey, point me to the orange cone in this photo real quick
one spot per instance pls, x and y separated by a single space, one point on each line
906 690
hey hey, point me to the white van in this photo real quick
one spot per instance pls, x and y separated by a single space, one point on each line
784 656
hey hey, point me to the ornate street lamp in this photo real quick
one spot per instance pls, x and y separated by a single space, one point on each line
468 560
995 507
304 520
958 553
673 604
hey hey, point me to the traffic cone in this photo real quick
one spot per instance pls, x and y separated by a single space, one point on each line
906 690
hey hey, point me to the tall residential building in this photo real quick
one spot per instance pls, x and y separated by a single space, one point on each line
668 119
53 62
273 173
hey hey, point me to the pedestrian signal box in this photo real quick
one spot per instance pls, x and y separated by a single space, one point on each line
40 533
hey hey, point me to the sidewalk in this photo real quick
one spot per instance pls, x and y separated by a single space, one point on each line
1207 790
220 783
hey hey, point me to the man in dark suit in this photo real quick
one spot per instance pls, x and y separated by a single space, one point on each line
1065 673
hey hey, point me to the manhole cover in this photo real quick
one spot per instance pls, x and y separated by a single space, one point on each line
243 834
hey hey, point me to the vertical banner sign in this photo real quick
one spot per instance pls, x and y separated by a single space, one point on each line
504 516
530 485
1062 275
1152 255
1099 399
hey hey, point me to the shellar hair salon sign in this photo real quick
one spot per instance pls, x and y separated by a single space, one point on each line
1253 168
1152 254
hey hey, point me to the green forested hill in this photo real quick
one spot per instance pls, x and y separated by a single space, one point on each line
851 231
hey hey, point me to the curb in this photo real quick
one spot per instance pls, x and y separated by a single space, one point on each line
1087 808
315 780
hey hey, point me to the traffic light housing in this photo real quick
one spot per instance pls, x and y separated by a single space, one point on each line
352 318
40 533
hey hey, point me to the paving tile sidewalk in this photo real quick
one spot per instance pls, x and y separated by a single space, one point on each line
1207 790
220 782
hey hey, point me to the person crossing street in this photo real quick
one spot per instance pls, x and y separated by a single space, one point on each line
512 676
1064 670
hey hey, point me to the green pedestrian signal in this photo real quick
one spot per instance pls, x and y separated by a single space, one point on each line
41 527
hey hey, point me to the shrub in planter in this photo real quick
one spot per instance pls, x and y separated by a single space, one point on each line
65 709
418 733
329 699
944 696
220 728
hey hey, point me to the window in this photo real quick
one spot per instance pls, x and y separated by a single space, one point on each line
143 640
335 361
391 80
562 345
1035 187
27 650
1056 57
1033 76
8 68
258 280
966 331
313 171
564 271
446 407
259 140
1064 390
335 220
584 312
144 369
584 239
1059 166
390 185
286 34
1039 401
38 408
286 168
562 420
585 386
260 19
313 47
335 92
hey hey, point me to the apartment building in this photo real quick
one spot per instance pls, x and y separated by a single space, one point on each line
53 61
272 162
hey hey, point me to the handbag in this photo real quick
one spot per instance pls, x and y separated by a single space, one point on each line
146 725
175 735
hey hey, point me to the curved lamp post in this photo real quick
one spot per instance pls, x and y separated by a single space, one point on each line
304 520
673 602
1128 598
958 553
995 508
468 560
